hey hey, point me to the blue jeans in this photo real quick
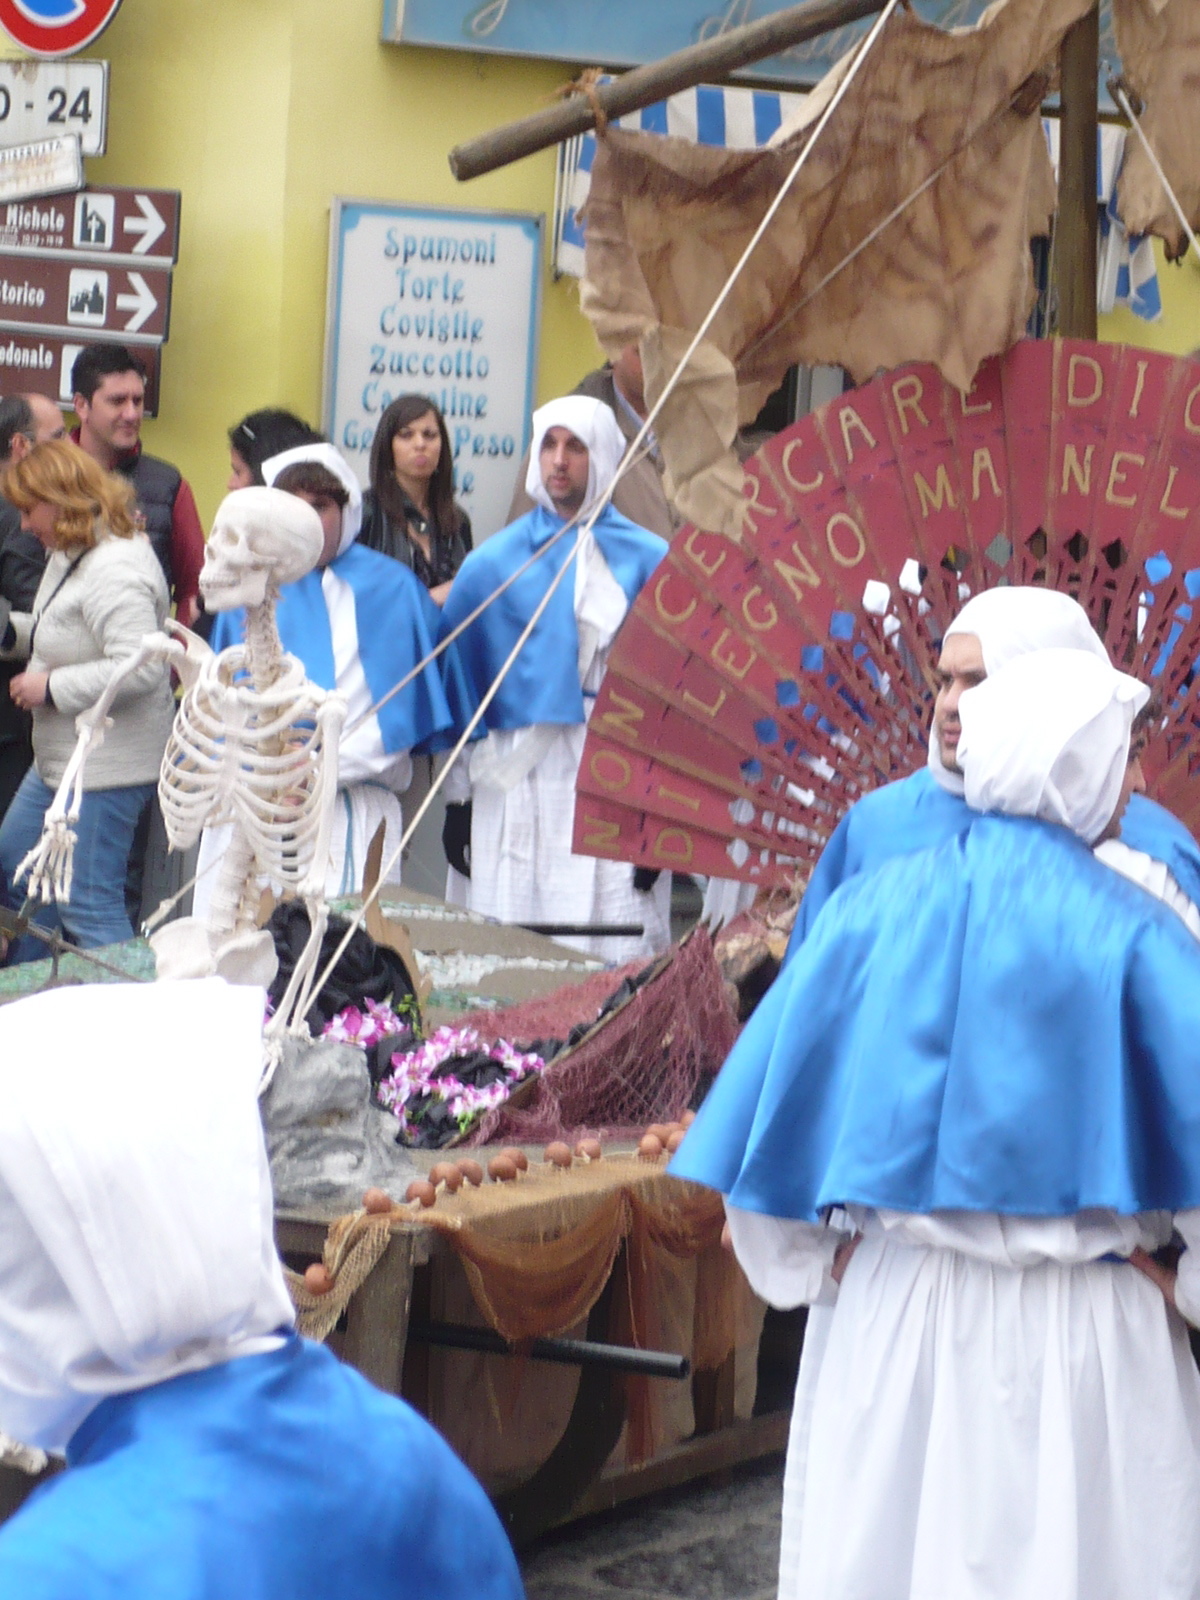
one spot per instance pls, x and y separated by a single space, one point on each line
95 914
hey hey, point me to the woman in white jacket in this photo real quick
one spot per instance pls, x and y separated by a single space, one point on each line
102 591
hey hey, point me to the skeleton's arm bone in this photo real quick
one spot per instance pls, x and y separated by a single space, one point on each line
196 651
48 864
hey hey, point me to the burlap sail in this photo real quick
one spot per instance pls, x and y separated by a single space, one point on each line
1160 51
949 281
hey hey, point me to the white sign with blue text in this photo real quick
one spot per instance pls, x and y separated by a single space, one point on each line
441 303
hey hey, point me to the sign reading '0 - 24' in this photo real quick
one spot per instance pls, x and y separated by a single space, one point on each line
56 27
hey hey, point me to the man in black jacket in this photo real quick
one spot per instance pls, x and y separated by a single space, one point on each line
110 398
25 420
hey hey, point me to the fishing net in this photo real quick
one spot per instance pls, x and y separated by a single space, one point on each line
646 1059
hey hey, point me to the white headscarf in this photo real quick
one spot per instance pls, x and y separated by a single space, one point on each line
1048 736
135 1198
1010 622
333 461
592 422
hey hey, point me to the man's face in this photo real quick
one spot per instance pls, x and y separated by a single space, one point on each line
330 514
47 419
564 462
960 667
113 416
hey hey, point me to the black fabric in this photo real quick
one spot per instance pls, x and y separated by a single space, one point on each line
644 878
448 549
456 837
365 970
156 484
22 562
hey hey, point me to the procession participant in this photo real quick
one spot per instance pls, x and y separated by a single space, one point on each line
522 777
259 436
974 1092
146 1333
360 623
993 628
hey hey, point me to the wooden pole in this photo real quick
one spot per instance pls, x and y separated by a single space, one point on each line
1077 225
714 58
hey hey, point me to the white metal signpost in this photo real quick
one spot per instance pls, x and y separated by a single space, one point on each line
42 99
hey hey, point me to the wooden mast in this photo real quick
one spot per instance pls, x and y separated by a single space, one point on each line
1076 228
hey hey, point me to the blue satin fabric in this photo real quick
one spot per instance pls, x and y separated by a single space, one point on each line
915 812
273 1477
998 1023
542 685
397 624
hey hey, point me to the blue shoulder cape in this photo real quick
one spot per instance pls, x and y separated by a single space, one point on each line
543 683
272 1477
397 623
916 812
997 1023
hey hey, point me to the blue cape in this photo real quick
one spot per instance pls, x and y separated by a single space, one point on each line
273 1477
397 623
543 683
915 812
997 1023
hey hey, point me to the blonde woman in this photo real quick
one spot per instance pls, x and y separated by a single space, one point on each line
103 590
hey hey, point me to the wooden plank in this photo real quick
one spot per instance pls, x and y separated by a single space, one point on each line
377 1317
1076 230
701 63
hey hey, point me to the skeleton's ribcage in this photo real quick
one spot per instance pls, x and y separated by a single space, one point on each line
252 759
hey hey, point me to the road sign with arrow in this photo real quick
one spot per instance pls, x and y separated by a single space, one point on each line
88 299
118 225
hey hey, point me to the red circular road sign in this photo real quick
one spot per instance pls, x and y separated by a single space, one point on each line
56 27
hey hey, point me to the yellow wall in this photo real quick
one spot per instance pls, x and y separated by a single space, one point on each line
261 111
1178 331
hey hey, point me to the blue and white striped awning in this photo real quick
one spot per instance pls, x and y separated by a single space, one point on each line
743 119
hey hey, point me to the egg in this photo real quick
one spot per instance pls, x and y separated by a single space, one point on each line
590 1149
674 1140
446 1172
688 1118
318 1279
518 1157
377 1202
558 1154
502 1168
650 1147
659 1131
421 1189
471 1171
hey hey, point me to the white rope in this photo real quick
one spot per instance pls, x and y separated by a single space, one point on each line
622 468
1123 101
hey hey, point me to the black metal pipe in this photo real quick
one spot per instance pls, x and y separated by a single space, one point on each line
582 930
568 1352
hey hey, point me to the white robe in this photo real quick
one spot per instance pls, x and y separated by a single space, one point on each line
986 1410
522 787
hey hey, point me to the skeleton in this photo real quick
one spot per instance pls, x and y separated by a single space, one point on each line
254 744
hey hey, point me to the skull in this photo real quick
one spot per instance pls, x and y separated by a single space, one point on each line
260 540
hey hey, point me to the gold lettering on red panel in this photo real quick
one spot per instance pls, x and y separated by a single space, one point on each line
796 577
1080 471
675 846
726 653
1165 506
1191 420
1085 381
761 616
967 409
687 800
942 493
620 773
851 422
1117 473
605 837
689 699
1138 387
835 540
660 604
981 463
805 487
907 394
625 720
711 561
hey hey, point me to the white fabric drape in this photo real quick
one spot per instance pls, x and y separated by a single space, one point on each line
329 457
592 422
1048 736
1010 622
136 1217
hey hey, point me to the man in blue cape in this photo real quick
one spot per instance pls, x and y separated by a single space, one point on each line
520 780
964 1115
993 628
146 1332
361 624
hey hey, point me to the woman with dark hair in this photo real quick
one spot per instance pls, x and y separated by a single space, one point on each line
410 511
258 437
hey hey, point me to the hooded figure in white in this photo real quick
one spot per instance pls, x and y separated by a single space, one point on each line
521 778
1011 1341
360 622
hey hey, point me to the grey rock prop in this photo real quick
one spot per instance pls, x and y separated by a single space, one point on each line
326 1138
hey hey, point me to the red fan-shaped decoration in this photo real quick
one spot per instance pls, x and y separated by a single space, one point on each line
756 690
